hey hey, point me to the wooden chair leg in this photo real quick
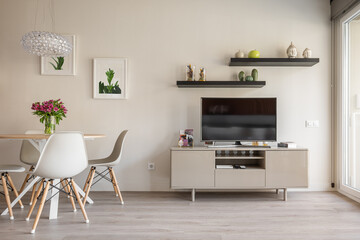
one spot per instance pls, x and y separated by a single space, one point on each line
26 179
116 185
62 181
112 181
35 199
92 171
7 197
87 180
33 194
13 187
41 206
66 187
79 201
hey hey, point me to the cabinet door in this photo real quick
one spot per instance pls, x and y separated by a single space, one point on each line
192 169
286 169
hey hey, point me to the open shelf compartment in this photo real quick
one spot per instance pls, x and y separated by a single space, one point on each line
251 159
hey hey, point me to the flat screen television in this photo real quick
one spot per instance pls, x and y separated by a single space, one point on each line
238 119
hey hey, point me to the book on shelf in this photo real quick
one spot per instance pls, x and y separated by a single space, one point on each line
287 144
224 166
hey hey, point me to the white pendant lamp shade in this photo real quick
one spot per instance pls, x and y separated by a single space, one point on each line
46 44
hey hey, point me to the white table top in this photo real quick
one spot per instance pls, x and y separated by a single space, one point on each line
42 136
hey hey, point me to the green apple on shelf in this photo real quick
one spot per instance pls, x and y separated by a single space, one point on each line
254 54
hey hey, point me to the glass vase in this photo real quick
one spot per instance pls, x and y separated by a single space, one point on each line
49 124
202 74
190 73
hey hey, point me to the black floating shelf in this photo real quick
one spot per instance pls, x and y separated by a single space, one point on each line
220 84
274 62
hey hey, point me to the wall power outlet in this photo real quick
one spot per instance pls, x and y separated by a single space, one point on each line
151 166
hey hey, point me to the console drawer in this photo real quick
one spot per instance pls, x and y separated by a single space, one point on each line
239 178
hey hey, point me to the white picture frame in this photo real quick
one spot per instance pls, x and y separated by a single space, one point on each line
101 68
68 68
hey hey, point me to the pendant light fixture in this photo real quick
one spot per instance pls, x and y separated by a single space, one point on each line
44 43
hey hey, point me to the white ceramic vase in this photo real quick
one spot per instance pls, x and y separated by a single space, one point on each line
240 54
307 53
291 51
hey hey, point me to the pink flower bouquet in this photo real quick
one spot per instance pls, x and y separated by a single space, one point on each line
50 112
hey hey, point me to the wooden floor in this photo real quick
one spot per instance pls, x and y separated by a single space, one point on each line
250 216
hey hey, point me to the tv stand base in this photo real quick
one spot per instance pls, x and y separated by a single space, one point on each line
193 193
202 168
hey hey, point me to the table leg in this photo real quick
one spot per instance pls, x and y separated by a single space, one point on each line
54 202
26 189
193 195
285 194
38 144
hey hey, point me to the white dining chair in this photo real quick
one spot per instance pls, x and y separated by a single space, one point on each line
8 183
64 156
29 155
109 162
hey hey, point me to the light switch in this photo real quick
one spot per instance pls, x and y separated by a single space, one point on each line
312 124
309 124
316 124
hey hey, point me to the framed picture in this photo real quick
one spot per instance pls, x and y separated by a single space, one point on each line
60 65
109 78
186 138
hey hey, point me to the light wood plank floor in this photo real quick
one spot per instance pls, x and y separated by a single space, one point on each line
251 216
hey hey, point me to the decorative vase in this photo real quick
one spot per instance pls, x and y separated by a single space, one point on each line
240 54
190 73
291 51
49 124
202 75
242 76
307 53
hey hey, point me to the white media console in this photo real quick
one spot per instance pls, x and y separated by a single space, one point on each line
266 168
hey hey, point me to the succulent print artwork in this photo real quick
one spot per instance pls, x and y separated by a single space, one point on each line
63 65
110 78
59 61
110 88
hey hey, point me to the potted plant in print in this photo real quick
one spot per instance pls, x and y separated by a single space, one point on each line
59 63
109 78
110 88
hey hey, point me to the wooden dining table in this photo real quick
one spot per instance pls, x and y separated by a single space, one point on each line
39 141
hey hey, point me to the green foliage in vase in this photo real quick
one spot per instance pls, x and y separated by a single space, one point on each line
111 88
59 63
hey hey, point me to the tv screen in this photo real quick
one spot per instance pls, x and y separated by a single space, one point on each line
238 119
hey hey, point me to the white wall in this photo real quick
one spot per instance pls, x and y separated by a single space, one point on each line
159 37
